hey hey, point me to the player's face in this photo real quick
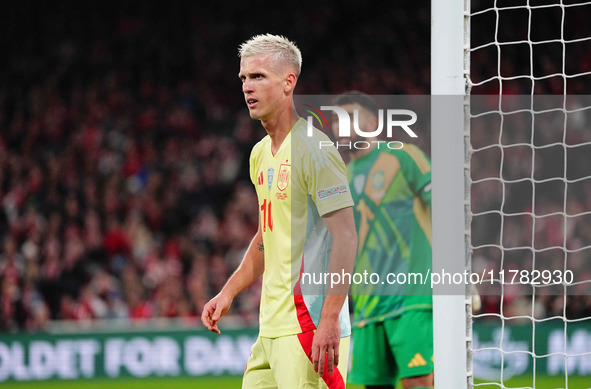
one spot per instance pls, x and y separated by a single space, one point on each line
262 86
366 123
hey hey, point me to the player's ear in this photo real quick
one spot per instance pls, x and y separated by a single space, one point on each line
373 121
289 83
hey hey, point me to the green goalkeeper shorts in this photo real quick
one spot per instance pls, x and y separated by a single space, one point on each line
387 351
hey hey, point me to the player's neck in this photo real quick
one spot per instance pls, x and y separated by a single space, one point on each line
360 153
279 126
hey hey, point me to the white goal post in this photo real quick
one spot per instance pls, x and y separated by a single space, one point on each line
511 157
448 87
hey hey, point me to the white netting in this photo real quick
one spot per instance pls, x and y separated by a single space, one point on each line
529 190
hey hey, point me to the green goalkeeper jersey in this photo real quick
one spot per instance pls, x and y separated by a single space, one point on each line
392 194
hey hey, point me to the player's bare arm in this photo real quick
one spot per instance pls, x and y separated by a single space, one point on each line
250 269
326 341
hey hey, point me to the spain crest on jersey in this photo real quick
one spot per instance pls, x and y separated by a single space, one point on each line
283 179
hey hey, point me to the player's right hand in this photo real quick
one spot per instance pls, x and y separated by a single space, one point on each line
214 310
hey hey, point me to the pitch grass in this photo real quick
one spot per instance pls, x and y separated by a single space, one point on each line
556 382
137 383
234 383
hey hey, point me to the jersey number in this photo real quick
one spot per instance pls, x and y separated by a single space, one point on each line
266 211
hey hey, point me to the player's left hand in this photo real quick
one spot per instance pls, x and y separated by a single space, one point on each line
214 310
325 346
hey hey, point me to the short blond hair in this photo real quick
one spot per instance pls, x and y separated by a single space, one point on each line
282 48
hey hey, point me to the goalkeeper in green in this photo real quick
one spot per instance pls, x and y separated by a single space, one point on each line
391 188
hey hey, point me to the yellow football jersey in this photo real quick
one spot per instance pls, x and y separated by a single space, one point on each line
295 188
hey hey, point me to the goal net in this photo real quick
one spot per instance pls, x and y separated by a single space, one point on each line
528 124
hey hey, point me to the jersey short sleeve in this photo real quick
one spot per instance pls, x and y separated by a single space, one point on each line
418 172
326 180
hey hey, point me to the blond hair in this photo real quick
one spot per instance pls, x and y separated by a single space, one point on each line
282 48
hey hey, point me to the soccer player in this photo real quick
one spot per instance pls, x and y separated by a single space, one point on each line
393 325
306 222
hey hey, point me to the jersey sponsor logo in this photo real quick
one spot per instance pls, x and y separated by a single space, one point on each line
283 178
417 361
329 192
359 182
378 180
260 180
270 174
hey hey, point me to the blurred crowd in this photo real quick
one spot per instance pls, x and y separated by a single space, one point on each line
531 204
531 184
119 206
124 145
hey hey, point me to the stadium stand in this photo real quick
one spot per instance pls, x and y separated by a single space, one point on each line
124 145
